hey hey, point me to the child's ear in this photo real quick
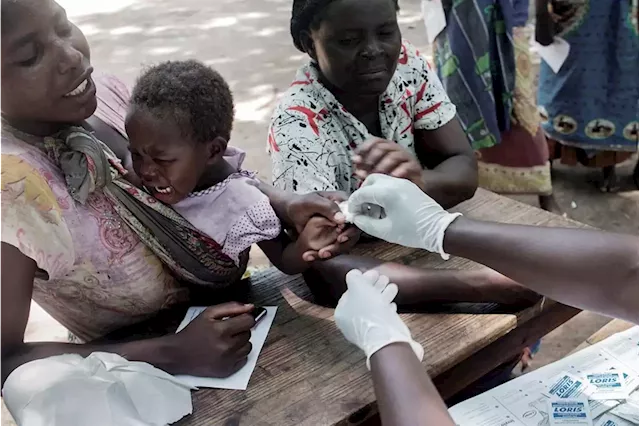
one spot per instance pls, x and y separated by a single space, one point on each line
216 149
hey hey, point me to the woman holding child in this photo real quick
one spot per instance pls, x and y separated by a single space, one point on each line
98 245
95 255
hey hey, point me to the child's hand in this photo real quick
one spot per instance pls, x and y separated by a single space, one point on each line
318 233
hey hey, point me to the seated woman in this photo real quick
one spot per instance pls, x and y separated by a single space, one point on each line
82 245
366 102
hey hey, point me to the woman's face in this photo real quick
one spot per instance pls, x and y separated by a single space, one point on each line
45 65
357 45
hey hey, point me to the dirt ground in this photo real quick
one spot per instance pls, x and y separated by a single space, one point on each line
248 42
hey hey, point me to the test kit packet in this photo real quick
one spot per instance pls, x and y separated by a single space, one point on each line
569 412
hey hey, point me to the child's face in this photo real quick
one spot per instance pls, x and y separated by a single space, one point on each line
169 165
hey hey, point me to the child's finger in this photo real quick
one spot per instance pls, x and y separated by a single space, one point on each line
310 256
326 252
349 232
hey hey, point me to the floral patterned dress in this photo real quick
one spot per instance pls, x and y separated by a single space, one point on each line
94 274
590 107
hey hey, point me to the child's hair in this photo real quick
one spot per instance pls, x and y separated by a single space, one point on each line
190 94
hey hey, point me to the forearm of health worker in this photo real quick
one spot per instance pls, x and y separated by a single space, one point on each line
367 317
587 269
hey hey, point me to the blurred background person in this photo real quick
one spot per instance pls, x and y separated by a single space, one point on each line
590 107
482 57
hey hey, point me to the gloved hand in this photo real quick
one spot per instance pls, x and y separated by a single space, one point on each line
411 218
367 316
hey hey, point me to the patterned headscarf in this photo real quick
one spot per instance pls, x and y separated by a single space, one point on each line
87 163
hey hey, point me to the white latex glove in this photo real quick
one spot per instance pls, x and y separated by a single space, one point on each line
411 218
367 316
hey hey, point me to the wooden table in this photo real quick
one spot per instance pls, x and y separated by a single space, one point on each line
307 373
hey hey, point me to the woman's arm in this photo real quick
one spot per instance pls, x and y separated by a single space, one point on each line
17 286
176 353
405 394
419 286
295 210
451 174
452 169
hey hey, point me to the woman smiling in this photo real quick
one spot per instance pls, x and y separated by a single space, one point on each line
77 240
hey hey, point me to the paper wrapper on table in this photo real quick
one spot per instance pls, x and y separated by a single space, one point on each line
611 420
524 400
629 409
102 389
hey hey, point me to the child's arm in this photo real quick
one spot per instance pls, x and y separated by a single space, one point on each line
287 255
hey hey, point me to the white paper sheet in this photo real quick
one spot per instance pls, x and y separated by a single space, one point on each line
625 348
629 410
611 420
240 379
434 18
102 389
554 54
523 401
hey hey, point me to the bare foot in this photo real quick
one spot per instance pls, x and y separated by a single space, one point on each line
549 203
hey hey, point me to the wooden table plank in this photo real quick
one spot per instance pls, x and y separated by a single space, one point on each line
307 373
611 328
502 350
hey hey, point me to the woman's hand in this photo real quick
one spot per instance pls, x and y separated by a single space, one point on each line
301 208
216 343
387 158
296 210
